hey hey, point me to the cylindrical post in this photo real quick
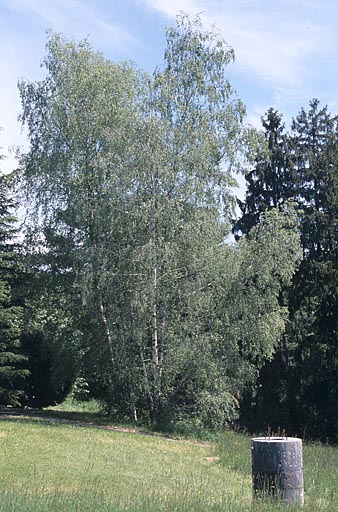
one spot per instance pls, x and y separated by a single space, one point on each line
277 468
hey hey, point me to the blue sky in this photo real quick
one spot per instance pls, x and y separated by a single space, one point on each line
286 50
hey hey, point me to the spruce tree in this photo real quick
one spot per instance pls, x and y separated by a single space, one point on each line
314 298
298 390
12 367
271 182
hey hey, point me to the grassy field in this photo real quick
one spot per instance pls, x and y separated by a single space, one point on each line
52 466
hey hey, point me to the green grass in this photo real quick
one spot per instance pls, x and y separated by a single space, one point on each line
320 464
47 466
74 407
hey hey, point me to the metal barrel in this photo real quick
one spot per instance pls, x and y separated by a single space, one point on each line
277 468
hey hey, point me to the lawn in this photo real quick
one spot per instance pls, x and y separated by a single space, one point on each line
52 466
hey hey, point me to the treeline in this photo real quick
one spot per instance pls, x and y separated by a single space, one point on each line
127 286
298 389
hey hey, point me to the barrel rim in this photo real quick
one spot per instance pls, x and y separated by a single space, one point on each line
275 439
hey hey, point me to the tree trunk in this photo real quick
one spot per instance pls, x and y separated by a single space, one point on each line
105 324
133 411
155 349
146 379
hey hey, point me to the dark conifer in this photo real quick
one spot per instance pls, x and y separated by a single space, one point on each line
12 367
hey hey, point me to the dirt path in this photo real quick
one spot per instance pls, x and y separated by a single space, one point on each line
87 424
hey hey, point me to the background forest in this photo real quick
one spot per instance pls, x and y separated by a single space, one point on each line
128 285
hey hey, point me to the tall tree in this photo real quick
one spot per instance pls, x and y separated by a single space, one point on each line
270 184
84 107
301 378
131 178
313 298
12 362
192 126
273 180
315 140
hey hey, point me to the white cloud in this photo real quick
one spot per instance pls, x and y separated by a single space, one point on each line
21 57
276 42
285 50
172 7
77 19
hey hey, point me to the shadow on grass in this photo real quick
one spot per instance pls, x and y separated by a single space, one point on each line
78 419
85 416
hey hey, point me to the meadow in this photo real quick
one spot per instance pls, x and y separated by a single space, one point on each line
47 465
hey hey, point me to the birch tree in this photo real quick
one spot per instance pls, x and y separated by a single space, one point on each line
83 108
131 179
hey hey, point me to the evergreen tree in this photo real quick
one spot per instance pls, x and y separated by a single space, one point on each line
49 338
272 181
12 362
269 186
314 135
298 389
313 297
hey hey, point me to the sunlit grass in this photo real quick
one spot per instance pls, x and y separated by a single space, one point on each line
73 406
58 465
47 466
320 464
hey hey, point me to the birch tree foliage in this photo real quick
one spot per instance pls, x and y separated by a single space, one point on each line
84 102
130 179
266 261
190 125
82 109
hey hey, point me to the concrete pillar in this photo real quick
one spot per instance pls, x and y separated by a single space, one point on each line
277 468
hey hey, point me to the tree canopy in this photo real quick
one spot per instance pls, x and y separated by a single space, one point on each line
303 164
129 178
